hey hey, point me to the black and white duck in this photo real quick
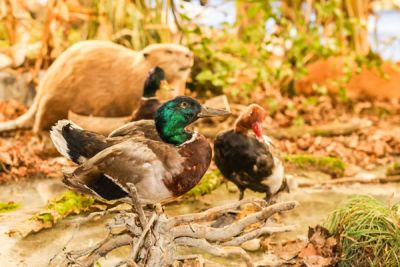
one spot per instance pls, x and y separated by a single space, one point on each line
245 156
160 157
149 102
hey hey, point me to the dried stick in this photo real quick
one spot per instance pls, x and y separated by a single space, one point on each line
256 233
162 245
231 230
345 180
139 243
137 205
111 244
216 211
127 221
214 249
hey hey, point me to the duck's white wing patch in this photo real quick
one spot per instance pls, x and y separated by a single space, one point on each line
268 141
275 180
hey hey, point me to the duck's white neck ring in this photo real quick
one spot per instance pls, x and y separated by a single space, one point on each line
149 98
194 137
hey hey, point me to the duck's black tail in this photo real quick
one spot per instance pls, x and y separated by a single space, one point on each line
76 143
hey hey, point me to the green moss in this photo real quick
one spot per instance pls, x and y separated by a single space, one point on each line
9 206
369 232
210 181
330 165
393 169
69 203
44 217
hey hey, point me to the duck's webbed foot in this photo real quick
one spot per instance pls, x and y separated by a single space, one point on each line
269 199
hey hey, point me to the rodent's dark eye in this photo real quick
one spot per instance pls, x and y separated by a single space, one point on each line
184 105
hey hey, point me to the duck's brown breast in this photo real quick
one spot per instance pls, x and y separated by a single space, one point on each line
197 156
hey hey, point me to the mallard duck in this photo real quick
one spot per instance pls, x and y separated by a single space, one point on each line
149 103
246 159
160 157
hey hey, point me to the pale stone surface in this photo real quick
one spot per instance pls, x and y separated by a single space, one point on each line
251 245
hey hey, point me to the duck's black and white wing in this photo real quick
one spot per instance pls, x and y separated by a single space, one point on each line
132 161
75 143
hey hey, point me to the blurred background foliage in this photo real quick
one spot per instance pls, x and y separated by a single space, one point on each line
266 48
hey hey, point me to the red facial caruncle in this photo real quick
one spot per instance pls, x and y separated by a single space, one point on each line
251 118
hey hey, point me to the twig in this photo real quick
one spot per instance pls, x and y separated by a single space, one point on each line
111 244
332 129
256 233
77 226
138 244
214 249
215 212
346 180
136 204
231 230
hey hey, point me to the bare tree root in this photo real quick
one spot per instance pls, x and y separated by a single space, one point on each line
154 237
112 243
214 249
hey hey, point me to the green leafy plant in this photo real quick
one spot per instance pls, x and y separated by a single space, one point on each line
69 203
243 57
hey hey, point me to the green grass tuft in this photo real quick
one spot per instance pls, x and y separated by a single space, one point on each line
210 181
369 232
9 206
331 165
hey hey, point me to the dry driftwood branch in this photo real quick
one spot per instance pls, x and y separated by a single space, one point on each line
332 129
139 243
111 243
136 204
153 236
256 233
231 230
346 180
214 249
213 212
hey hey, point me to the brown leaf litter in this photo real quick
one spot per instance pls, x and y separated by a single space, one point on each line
320 250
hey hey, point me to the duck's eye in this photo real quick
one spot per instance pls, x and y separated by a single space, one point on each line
184 105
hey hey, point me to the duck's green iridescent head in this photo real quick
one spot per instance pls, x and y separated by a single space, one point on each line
154 81
173 116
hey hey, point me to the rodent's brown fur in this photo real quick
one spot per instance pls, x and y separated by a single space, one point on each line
367 83
100 78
